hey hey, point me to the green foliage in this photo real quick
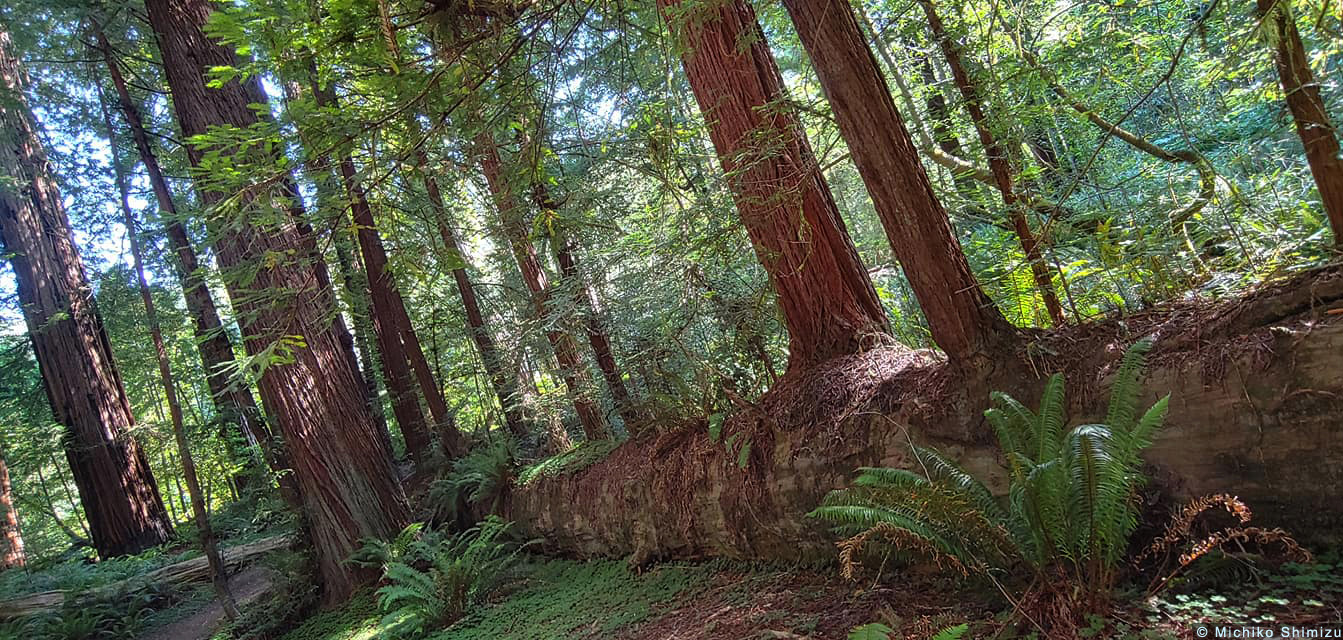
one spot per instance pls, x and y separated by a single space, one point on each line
582 456
1071 504
482 478
294 594
433 578
871 631
569 599
124 613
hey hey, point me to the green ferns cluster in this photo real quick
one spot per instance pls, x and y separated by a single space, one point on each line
1070 508
433 578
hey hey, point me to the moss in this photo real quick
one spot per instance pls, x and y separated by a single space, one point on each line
567 599
356 620
572 461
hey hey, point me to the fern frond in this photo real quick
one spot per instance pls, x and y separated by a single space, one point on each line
1049 422
1125 388
944 471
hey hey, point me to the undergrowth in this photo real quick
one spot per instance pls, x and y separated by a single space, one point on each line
574 460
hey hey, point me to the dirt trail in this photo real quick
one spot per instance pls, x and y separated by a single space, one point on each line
247 586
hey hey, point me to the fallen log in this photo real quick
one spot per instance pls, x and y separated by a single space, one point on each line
1256 409
187 571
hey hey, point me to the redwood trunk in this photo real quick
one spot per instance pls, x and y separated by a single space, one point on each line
350 490
597 337
234 402
11 554
504 382
403 357
572 368
998 163
827 300
199 509
125 512
1308 112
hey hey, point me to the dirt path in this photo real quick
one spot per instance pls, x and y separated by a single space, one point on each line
247 586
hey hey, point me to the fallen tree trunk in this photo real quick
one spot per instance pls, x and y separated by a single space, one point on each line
1256 410
193 570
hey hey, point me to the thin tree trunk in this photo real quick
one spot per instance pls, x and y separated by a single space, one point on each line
504 382
829 305
234 402
400 346
354 283
350 490
11 554
1308 112
75 538
999 164
572 369
596 331
198 505
117 488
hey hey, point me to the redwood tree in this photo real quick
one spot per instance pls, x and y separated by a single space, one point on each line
11 548
350 490
234 402
824 292
117 489
572 368
962 319
1302 92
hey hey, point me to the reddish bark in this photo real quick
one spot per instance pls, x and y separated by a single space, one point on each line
233 402
503 381
572 369
1307 106
962 319
350 490
827 300
999 164
125 512
597 336
11 553
199 509
402 354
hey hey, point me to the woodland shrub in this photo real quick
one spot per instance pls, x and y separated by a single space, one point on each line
1067 518
479 480
432 578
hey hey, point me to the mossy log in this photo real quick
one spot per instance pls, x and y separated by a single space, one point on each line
1256 410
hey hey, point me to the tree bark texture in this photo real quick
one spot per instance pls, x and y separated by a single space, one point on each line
233 402
350 489
11 553
199 509
117 490
829 305
1307 106
1256 401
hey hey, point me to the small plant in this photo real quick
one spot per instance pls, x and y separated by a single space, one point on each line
1071 505
481 478
432 579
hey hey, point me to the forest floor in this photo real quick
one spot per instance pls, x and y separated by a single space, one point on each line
247 586
603 600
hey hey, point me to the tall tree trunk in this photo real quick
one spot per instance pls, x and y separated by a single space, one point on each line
354 284
596 331
1307 106
199 509
962 319
999 163
402 355
11 553
572 369
827 300
234 402
504 382
126 514
350 490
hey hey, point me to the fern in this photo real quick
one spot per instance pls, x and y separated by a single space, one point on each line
435 579
1071 504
